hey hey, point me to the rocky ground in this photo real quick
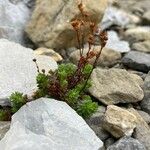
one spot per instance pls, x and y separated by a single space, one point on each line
121 81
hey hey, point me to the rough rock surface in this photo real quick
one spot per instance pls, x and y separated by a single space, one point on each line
127 143
117 17
138 34
137 61
119 122
108 56
145 116
50 22
4 127
96 123
47 124
14 16
48 52
17 70
145 104
142 130
116 86
142 46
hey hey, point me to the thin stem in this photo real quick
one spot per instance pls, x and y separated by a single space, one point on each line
94 65
79 44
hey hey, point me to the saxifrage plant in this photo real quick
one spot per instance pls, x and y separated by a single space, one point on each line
69 82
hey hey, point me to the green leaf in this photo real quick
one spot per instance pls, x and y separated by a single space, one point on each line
86 108
17 101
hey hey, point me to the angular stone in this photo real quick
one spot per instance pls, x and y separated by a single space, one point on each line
142 46
117 17
142 130
17 70
50 23
116 44
114 86
145 116
137 61
119 122
4 127
47 124
108 57
127 143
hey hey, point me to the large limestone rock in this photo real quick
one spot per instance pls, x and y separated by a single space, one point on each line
108 57
119 122
47 124
17 70
116 86
50 22
142 130
14 15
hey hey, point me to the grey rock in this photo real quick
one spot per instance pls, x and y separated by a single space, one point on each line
145 116
110 141
4 127
97 117
137 61
142 130
116 44
47 124
18 71
114 86
145 104
127 143
96 123
146 18
13 18
114 16
50 22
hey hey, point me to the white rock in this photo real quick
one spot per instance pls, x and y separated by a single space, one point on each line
47 124
13 18
116 44
17 70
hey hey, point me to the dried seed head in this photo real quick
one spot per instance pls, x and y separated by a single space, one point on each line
43 71
34 60
76 24
91 54
81 7
91 39
103 38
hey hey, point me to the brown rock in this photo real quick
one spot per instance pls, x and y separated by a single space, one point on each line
50 22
